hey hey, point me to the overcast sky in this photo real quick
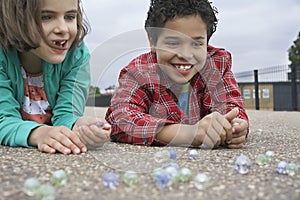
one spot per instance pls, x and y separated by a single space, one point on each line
257 33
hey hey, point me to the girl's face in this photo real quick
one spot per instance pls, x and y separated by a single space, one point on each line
59 23
181 47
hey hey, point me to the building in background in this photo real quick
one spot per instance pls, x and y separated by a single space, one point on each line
275 89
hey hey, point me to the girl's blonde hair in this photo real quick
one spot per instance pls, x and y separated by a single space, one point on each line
20 24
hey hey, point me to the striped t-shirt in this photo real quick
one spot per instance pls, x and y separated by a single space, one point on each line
35 106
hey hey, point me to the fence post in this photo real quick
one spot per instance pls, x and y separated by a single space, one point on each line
256 89
294 87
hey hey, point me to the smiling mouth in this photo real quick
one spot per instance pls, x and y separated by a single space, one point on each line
183 67
59 44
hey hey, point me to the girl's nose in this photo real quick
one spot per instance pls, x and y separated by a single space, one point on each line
61 26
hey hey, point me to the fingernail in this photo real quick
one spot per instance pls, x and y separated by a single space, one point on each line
67 151
84 149
52 151
77 150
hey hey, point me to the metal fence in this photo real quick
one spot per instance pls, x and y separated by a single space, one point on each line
281 76
278 73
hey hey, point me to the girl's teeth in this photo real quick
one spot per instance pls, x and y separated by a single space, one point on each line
59 43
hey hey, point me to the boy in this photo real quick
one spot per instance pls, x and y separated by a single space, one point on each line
182 92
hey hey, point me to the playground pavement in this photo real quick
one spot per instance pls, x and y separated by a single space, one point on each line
269 131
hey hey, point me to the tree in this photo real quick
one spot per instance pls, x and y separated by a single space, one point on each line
94 91
294 53
294 57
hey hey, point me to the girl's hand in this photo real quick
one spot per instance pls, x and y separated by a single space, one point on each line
92 132
50 139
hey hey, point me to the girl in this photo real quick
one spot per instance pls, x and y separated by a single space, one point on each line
44 77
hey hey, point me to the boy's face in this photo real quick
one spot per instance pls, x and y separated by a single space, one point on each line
59 23
181 47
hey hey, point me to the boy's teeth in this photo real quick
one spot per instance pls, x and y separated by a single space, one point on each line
183 67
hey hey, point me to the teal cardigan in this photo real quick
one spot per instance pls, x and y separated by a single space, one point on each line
66 85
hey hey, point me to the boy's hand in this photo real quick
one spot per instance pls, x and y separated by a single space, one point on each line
91 132
216 129
50 139
240 129
211 131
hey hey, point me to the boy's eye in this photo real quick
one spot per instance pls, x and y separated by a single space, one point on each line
172 43
197 44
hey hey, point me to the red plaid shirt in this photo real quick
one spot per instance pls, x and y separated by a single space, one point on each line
146 98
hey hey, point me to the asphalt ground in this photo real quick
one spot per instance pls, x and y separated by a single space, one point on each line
269 131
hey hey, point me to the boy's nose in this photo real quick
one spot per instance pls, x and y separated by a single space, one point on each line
186 53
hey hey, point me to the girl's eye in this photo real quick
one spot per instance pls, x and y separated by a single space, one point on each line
70 17
45 17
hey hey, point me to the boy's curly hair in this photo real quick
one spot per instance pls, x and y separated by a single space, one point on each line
161 11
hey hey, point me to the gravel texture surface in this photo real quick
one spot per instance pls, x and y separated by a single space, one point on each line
270 131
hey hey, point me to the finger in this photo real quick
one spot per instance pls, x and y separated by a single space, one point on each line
222 127
214 138
238 140
101 133
70 140
76 143
235 146
77 146
210 136
239 134
59 147
87 139
232 114
94 135
107 127
103 125
52 143
226 130
207 142
218 128
239 125
47 149
83 137
215 127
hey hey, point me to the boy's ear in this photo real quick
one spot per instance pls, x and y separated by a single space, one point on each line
152 44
